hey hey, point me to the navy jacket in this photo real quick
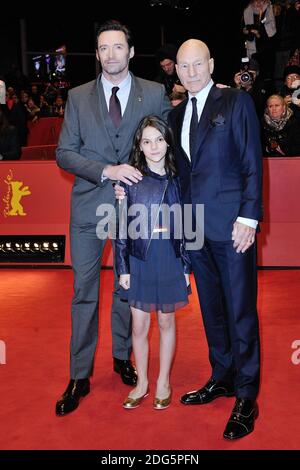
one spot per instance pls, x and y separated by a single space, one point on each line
150 193
226 172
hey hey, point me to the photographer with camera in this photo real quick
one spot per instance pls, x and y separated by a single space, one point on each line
291 89
281 130
259 29
248 79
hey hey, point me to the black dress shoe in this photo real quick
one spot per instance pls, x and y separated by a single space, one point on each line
126 370
212 390
241 421
70 399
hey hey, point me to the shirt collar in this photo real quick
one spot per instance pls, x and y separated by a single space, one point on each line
107 85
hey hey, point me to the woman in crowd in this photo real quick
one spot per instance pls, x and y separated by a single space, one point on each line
281 130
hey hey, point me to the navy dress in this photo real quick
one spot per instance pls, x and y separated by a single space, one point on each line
158 283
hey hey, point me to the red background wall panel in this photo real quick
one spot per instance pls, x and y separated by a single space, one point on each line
47 207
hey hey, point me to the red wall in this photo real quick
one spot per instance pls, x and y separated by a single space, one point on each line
44 131
47 207
48 204
279 240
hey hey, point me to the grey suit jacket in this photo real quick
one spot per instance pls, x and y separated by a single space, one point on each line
85 145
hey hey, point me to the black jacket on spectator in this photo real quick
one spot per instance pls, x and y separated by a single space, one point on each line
288 139
17 117
9 144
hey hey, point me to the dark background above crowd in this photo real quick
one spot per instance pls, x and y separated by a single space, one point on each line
217 23
41 29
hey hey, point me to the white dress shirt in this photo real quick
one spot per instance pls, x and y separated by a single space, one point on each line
122 94
185 134
201 99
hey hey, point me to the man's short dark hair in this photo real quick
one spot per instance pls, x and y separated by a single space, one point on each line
114 25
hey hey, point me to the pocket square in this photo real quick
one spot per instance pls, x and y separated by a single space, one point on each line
218 120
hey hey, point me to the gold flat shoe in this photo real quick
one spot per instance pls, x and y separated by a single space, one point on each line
131 403
162 403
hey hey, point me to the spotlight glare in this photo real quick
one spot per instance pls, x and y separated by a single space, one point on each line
32 248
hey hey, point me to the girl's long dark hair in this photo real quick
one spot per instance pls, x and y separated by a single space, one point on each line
137 157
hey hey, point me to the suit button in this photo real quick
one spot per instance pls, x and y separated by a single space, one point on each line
117 136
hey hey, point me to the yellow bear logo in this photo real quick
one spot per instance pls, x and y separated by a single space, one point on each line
17 193
13 196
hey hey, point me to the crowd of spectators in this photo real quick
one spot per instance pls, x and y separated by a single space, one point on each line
269 72
269 69
19 106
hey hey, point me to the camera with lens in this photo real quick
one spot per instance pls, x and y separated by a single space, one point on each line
246 76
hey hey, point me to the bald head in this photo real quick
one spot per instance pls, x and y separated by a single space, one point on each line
194 65
193 45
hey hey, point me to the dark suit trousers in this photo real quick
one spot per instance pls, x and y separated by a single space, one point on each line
227 288
86 251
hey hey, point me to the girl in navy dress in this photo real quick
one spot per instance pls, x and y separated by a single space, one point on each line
151 260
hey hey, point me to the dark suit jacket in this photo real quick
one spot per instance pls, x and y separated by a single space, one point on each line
85 146
226 172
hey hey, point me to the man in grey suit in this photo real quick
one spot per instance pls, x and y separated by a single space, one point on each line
95 142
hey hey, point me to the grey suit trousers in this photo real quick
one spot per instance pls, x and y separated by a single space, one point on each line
86 252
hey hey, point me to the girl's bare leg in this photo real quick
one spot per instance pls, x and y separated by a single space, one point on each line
167 330
140 343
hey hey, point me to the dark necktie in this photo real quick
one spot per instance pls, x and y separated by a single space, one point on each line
115 107
193 128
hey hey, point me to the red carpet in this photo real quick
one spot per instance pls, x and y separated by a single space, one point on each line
35 326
